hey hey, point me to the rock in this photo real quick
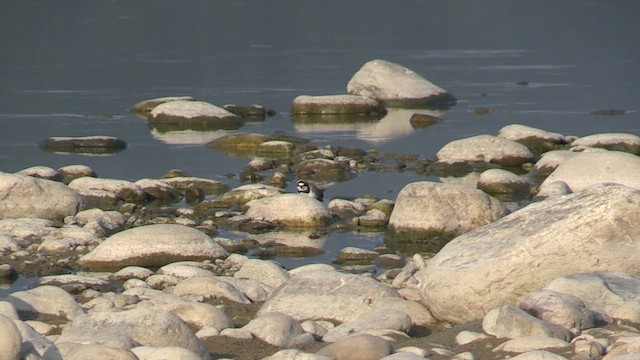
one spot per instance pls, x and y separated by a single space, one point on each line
72 172
200 315
529 343
351 253
209 287
499 181
41 172
486 149
610 294
557 308
421 121
160 190
427 209
275 149
547 163
124 190
585 169
537 140
29 197
33 344
629 143
335 104
294 354
245 144
75 284
107 222
132 272
403 356
538 355
346 209
554 189
265 271
511 322
152 245
290 210
194 113
146 106
467 337
279 329
84 144
488 267
45 300
378 319
251 112
373 218
245 193
164 352
327 295
77 351
323 171
210 187
11 340
357 347
148 327
185 269
254 290
396 86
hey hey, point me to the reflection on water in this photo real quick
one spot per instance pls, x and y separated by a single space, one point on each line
187 137
393 126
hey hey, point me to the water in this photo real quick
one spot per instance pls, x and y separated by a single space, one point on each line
73 68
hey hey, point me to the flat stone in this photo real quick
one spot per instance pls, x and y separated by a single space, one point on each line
629 143
487 149
194 113
335 104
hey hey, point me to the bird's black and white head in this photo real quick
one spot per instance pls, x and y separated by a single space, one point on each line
307 188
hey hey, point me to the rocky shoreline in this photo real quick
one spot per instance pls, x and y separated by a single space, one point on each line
138 270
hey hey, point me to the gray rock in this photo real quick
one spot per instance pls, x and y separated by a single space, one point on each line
378 319
132 272
548 162
42 172
488 267
109 222
396 86
294 354
11 340
357 347
45 300
611 294
327 295
279 329
529 343
194 113
335 104
152 245
245 193
146 106
164 352
323 171
149 327
209 287
265 271
373 218
486 149
500 181
538 355
72 172
556 188
208 186
537 140
346 209
160 190
254 290
185 269
200 315
588 168
76 351
75 283
29 197
424 209
122 189
83 144
557 308
511 322
289 209
629 143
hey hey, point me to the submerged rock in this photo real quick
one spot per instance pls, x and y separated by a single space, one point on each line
335 104
396 86
194 113
27 197
84 144
494 264
426 209
245 144
152 245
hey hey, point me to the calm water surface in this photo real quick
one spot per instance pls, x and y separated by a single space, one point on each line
67 64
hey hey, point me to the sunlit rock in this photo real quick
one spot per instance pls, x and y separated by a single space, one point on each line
486 148
611 141
537 140
146 106
335 104
289 209
193 114
245 144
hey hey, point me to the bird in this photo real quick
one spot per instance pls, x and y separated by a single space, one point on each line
307 188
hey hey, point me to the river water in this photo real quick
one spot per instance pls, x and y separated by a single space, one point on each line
73 68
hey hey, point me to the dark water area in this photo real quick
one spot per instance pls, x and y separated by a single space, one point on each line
73 68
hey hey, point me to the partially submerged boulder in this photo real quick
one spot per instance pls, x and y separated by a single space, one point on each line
289 209
152 245
611 141
396 86
335 104
145 106
537 140
83 144
595 229
245 144
488 149
194 113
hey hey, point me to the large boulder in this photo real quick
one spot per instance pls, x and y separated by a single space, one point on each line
587 168
611 141
424 210
328 295
152 246
29 197
121 189
289 209
396 86
596 229
486 149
